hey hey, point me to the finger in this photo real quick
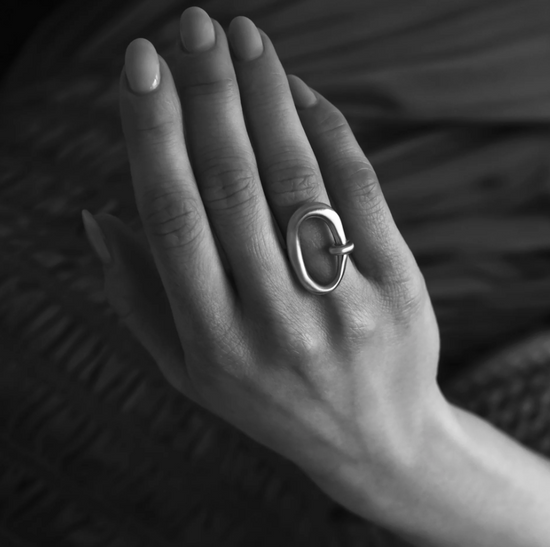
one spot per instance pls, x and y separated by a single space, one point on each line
221 153
288 167
169 203
135 292
380 251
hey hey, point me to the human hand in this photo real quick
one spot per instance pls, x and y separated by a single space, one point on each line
217 152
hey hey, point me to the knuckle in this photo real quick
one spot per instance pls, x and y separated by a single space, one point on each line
292 184
304 348
404 296
228 188
292 343
158 133
223 89
300 354
357 322
357 173
297 346
362 184
333 122
272 97
359 325
173 218
159 127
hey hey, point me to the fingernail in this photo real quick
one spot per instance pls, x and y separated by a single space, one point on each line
246 42
142 66
196 30
96 237
301 93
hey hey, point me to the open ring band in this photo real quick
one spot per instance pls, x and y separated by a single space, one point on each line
341 250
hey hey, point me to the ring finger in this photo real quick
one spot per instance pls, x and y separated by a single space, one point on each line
287 164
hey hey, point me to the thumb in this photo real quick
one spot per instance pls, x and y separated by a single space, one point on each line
135 291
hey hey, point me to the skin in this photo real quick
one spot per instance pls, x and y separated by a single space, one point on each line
344 384
311 377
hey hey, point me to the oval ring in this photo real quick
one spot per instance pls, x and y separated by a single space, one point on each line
341 250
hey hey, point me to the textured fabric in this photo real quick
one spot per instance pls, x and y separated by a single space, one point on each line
450 102
511 389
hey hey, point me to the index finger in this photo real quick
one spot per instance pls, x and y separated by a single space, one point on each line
166 193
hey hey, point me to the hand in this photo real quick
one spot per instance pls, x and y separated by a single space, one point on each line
221 154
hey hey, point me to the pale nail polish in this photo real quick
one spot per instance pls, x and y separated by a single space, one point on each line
96 237
197 32
142 66
245 39
301 93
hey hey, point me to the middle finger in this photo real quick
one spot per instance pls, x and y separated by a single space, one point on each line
221 154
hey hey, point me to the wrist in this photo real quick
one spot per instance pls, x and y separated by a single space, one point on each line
381 485
463 483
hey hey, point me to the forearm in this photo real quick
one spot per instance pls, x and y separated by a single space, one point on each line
471 485
482 488
502 492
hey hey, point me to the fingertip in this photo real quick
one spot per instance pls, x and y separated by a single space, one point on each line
151 112
197 32
246 41
142 67
303 95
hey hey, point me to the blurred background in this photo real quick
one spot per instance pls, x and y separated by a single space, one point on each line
450 102
19 19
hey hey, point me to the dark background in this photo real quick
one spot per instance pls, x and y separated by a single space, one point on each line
18 20
96 447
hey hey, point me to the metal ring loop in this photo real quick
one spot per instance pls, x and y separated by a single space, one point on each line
340 250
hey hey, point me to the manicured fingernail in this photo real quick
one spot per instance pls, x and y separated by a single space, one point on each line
245 39
196 30
301 93
96 237
142 66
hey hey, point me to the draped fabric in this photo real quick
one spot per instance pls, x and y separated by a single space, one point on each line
450 101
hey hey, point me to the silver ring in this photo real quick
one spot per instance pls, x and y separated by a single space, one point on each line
340 250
